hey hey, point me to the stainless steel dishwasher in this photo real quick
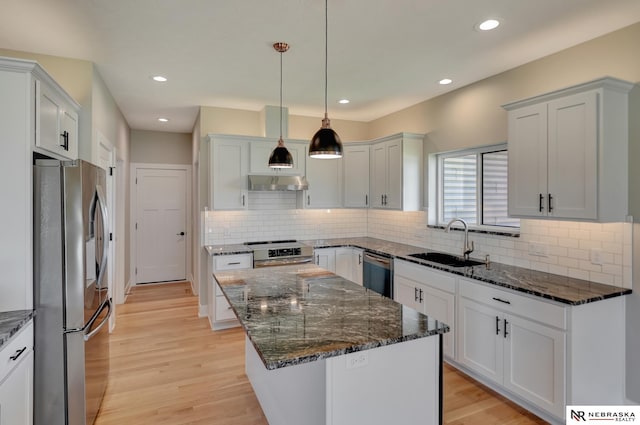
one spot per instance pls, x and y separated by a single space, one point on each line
378 273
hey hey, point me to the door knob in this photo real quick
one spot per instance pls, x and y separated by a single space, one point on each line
180 234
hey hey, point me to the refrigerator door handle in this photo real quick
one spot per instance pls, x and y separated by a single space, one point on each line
106 304
105 236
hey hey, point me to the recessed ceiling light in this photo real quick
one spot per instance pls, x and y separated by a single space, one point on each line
445 81
163 119
489 24
159 78
343 101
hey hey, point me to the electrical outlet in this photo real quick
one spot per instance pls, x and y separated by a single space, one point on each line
356 360
596 256
538 249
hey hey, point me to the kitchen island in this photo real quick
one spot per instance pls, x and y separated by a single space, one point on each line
323 350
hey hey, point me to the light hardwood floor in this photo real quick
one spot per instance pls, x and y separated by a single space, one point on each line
169 368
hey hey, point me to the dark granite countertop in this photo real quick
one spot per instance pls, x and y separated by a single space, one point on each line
300 314
11 322
554 287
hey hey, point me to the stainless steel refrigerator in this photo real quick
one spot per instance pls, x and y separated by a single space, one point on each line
71 244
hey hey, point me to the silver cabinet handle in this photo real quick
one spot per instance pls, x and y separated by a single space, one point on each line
243 200
235 263
308 199
366 199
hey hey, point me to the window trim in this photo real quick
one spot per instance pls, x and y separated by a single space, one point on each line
437 159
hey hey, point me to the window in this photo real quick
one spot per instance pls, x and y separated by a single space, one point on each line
472 185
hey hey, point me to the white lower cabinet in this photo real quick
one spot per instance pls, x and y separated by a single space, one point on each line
430 292
344 261
221 315
349 263
16 379
325 258
506 338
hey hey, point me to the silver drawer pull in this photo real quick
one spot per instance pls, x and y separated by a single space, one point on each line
233 264
501 300
18 354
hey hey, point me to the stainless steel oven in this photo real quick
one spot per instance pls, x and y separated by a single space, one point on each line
280 253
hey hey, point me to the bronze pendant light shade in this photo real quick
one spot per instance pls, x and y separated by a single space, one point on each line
280 157
326 143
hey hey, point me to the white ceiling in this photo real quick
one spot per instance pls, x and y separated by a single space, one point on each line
383 55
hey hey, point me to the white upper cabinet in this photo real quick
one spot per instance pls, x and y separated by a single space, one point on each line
260 150
396 172
229 160
356 175
325 183
56 121
568 153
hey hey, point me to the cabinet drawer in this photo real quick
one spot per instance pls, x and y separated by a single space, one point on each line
510 302
231 262
223 309
24 339
424 274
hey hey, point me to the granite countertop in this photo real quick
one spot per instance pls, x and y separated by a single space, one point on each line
299 314
554 287
228 249
11 322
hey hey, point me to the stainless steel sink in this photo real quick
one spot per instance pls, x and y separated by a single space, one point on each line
446 259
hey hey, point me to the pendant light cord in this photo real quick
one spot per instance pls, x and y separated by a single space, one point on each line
281 95
326 52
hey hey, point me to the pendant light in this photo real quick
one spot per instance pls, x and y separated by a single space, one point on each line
280 157
326 143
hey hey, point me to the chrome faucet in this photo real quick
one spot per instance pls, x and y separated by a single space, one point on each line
466 249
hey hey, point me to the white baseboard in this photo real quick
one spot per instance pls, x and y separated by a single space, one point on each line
202 311
194 286
127 289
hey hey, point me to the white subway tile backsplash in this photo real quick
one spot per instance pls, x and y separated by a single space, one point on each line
568 243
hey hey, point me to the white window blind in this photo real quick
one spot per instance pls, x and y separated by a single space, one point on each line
473 186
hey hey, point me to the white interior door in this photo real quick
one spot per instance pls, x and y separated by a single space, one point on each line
161 200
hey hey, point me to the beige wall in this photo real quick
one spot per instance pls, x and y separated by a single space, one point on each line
157 147
249 123
472 115
74 75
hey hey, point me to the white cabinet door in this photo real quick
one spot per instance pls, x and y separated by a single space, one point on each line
356 176
325 183
69 129
480 340
572 157
358 264
534 363
344 263
393 195
229 161
527 178
260 151
326 258
407 292
56 123
441 306
221 315
378 175
16 399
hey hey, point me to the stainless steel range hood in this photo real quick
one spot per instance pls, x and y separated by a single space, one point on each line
270 182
